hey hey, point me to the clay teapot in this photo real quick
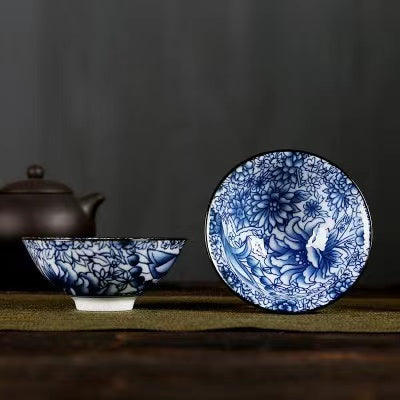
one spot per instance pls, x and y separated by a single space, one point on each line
39 207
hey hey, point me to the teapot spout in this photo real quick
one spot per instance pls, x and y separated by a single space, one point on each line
90 203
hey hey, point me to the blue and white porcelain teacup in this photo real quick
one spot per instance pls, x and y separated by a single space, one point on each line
104 274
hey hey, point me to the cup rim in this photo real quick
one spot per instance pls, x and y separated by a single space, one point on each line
100 238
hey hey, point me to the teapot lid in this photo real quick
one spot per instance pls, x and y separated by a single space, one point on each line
35 183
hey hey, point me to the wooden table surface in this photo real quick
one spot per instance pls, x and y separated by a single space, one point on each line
237 364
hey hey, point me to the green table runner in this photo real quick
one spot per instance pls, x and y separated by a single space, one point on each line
165 312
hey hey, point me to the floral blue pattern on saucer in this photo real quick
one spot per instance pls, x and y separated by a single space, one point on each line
288 231
103 268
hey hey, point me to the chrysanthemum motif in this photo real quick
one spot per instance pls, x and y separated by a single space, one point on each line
259 182
237 210
312 208
289 172
243 172
340 286
339 190
274 207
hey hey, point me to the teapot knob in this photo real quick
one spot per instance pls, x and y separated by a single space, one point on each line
35 172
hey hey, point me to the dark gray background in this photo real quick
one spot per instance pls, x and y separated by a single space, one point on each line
152 102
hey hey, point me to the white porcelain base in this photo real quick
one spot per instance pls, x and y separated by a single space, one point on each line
104 303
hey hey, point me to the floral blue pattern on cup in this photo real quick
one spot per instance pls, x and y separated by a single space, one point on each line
103 267
288 231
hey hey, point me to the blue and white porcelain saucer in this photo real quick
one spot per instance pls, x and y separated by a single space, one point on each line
288 231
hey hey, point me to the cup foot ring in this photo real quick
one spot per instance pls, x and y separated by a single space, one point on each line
104 304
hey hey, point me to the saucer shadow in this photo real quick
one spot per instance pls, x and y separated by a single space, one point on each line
199 306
